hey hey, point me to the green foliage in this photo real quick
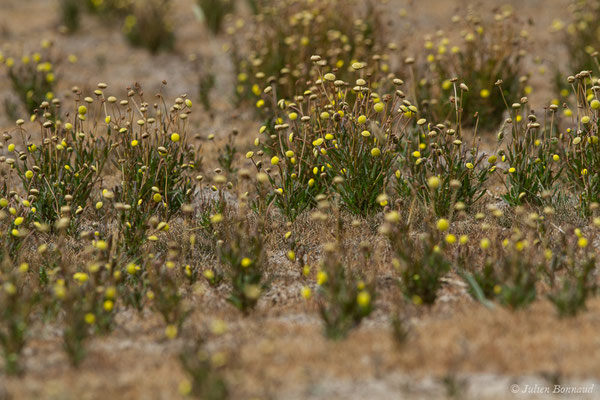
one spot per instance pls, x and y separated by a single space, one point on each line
146 25
207 381
61 172
213 13
18 304
33 78
240 248
345 298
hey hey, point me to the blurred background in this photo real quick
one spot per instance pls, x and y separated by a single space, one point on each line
197 45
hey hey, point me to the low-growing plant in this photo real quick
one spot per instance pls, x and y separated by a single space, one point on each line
87 303
165 284
15 219
580 145
18 304
70 14
574 278
337 139
571 295
273 48
60 172
147 25
33 78
440 168
510 270
108 8
532 156
240 248
227 157
213 13
578 35
206 380
155 161
490 51
345 296
419 260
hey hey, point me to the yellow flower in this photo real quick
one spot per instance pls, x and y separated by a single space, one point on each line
209 274
131 268
80 277
433 182
321 278
134 143
450 238
246 262
185 387
157 197
443 225
484 93
274 160
10 288
485 243
90 318
108 305
19 221
171 331
375 152
363 298
306 270
417 300
582 242
291 255
306 292
175 137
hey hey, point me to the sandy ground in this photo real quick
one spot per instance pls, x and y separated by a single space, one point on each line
279 352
